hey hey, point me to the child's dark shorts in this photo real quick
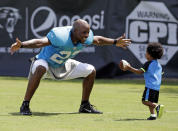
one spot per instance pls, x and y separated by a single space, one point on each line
150 95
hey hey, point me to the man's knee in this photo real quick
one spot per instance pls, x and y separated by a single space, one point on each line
91 70
40 70
41 66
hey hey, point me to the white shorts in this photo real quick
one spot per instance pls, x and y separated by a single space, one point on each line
72 69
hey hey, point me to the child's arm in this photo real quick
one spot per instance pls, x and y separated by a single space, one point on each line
128 67
134 70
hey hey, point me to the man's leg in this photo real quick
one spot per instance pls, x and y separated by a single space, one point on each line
88 85
85 106
33 82
88 72
37 71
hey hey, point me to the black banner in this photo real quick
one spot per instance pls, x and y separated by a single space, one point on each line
142 21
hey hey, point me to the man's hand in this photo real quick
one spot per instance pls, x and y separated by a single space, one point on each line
122 42
15 46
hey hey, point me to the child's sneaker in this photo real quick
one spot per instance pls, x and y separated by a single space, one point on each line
151 118
159 110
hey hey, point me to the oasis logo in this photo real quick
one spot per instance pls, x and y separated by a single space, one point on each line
47 19
152 22
8 19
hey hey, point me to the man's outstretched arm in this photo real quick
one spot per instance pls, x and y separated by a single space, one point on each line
33 43
120 42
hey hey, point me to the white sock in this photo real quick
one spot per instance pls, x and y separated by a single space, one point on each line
153 115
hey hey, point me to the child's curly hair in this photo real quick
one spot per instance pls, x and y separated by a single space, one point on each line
155 50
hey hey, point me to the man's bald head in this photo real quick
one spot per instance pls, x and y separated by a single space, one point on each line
80 31
80 24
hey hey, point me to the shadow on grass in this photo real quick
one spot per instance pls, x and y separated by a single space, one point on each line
131 119
42 113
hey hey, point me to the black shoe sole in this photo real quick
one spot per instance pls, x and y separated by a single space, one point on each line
91 112
26 114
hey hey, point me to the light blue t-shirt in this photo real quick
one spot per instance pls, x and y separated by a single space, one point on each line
152 74
62 48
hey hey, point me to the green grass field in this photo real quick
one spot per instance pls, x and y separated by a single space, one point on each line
56 103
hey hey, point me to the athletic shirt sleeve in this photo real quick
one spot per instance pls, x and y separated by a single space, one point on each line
145 66
58 36
90 38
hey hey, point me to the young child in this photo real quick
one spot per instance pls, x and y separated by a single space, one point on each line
152 74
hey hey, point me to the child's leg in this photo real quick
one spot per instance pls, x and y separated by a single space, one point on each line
151 106
159 110
150 98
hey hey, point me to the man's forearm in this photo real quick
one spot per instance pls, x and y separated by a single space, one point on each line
35 43
104 41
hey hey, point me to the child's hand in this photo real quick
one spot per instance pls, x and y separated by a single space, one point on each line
124 65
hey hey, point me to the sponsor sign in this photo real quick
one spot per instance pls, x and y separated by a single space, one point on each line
9 17
152 22
40 21
51 20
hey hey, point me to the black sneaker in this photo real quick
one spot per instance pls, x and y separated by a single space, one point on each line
24 109
151 118
88 108
159 110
